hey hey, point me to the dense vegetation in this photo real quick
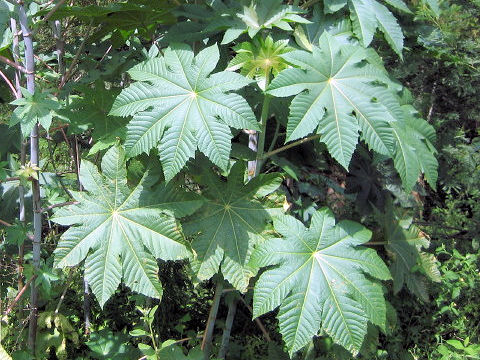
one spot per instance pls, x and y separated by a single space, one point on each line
240 179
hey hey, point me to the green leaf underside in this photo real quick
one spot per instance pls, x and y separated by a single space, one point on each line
336 92
230 224
177 104
118 232
320 281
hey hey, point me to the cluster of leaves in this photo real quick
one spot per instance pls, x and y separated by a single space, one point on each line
189 90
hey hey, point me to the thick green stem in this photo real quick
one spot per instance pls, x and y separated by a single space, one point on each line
261 136
293 144
275 137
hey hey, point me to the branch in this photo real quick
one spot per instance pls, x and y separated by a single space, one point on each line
257 320
54 9
13 64
19 295
3 222
9 83
15 178
208 334
295 143
59 205
77 56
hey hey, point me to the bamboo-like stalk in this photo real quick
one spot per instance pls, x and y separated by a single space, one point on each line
23 152
232 309
208 335
34 159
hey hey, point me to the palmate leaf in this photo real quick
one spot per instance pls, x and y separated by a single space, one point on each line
336 25
405 244
230 223
33 108
368 15
341 96
414 152
319 281
126 230
176 102
338 83
90 110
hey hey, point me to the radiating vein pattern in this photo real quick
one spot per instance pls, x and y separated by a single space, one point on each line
230 223
121 231
321 279
178 106
343 97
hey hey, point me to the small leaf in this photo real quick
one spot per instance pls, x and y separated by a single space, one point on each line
33 109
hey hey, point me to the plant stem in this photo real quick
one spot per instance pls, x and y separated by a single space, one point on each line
5 223
19 295
208 335
263 123
257 320
71 69
232 309
59 205
261 136
9 83
23 155
252 145
293 144
51 12
57 34
275 137
12 64
34 159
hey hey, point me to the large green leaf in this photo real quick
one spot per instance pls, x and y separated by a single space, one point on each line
340 95
119 231
230 223
319 280
176 101
336 25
